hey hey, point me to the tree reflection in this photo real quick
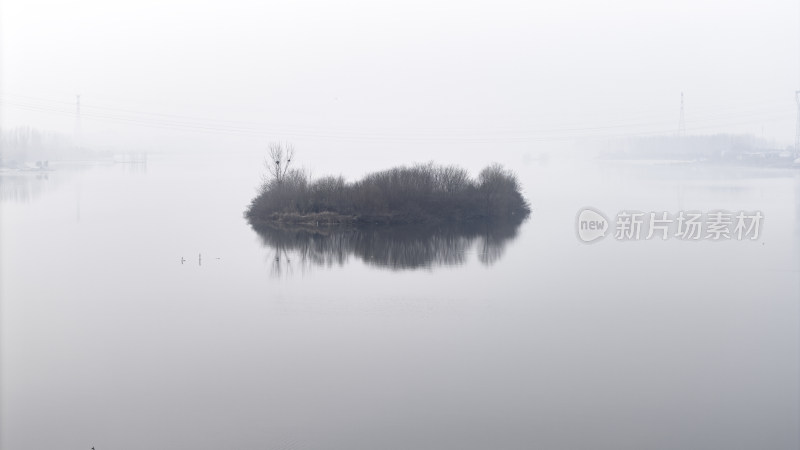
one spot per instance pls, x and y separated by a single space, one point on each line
397 247
22 187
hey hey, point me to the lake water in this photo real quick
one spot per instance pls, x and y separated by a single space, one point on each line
520 338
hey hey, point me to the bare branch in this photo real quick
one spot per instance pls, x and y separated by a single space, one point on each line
278 161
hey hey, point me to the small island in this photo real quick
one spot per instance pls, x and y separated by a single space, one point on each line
419 194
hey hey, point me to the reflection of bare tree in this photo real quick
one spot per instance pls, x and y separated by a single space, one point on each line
281 263
395 247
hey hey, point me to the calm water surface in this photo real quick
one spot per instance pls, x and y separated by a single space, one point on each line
464 339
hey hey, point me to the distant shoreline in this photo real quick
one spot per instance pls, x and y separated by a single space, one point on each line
332 219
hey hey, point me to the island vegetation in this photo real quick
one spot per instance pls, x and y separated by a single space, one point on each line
422 193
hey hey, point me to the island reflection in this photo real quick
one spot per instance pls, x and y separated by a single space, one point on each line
396 247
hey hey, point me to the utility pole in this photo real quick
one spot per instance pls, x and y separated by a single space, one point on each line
681 121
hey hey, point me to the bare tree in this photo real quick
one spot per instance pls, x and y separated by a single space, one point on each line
278 161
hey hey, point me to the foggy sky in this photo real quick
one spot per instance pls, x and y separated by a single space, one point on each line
378 78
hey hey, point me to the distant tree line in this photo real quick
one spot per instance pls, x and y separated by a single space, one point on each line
711 147
21 144
416 194
25 144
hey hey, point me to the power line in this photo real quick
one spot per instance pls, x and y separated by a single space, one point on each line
184 123
187 120
763 107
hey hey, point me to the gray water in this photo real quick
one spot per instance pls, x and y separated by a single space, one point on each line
534 340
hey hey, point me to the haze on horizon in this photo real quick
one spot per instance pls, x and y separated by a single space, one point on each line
390 82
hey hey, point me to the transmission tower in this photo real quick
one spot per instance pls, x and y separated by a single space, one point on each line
797 128
682 120
78 120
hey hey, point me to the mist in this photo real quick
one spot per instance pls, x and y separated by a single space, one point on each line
385 83
405 224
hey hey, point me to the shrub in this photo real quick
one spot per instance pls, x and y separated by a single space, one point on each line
420 193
